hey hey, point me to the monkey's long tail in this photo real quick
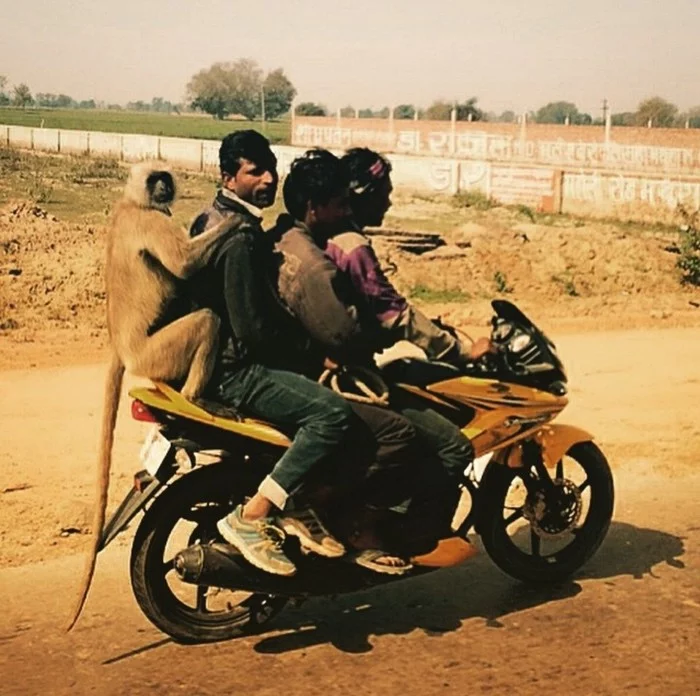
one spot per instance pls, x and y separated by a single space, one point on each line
113 387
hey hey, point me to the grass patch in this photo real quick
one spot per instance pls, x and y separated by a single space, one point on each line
171 125
473 198
501 283
567 284
422 293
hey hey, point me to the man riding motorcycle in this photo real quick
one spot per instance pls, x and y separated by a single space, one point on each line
256 376
386 315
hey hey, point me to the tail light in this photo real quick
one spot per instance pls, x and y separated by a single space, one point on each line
140 412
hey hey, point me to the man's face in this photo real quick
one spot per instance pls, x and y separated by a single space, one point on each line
254 183
326 218
374 205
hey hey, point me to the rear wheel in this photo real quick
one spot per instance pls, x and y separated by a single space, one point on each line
543 530
184 514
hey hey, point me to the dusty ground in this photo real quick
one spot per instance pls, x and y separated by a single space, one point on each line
607 293
629 623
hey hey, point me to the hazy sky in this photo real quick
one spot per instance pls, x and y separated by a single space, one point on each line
515 54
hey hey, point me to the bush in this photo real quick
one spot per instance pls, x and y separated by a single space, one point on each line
689 259
689 247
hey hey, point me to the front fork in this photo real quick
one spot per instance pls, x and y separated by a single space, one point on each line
541 450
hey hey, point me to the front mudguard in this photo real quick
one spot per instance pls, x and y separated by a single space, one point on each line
554 441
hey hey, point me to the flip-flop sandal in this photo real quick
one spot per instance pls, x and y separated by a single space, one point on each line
370 559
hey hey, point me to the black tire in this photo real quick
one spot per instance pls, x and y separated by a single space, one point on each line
535 567
202 496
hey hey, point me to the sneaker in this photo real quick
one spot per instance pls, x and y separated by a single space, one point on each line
259 542
312 535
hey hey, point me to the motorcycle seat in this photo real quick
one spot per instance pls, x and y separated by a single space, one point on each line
164 398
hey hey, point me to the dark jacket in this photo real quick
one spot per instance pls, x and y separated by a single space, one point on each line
239 286
318 294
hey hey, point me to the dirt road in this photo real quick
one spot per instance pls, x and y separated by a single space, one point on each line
629 623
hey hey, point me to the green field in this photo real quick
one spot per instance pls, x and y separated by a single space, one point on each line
171 125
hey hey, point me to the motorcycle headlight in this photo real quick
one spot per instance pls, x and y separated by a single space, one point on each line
502 331
519 343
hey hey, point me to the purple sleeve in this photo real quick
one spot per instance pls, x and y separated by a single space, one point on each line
384 301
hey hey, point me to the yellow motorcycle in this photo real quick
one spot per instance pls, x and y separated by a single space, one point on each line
541 505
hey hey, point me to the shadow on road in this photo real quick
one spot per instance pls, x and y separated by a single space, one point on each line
630 550
438 603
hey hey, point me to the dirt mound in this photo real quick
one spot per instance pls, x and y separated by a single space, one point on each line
536 260
51 273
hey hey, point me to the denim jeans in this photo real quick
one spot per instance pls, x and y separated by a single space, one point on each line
436 432
322 419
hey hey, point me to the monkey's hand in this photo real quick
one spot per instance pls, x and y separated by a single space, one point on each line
198 251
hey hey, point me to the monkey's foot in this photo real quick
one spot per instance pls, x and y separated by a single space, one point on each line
217 409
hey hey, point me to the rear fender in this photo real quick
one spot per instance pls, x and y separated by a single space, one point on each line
554 439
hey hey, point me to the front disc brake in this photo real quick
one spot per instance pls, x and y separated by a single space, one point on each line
555 512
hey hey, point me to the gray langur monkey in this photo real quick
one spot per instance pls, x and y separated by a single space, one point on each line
148 257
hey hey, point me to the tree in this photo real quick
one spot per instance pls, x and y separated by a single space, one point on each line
507 117
404 111
311 109
229 88
87 104
558 112
366 113
439 110
693 117
624 118
347 112
468 111
660 112
3 83
279 93
22 96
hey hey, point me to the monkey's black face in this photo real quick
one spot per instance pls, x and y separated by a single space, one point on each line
161 188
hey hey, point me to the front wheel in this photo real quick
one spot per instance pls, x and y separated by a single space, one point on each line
544 530
184 514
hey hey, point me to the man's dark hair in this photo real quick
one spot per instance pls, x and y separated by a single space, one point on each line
246 144
315 177
366 169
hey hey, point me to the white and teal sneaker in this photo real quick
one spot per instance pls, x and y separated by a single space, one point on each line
259 542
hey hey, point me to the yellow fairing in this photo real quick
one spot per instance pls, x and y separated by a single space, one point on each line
166 398
503 413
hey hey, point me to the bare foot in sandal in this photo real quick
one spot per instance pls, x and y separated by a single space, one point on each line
381 562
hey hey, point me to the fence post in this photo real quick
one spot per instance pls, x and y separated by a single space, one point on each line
608 127
453 130
31 138
391 127
201 156
292 119
58 140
